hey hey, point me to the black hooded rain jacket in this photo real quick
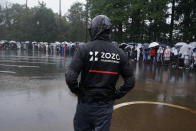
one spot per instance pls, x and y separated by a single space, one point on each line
100 63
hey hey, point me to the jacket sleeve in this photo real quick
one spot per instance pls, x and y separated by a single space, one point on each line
73 71
128 76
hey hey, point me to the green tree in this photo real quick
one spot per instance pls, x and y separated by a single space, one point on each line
156 14
134 20
21 23
136 27
76 18
186 14
1 15
44 24
117 11
2 30
64 34
16 23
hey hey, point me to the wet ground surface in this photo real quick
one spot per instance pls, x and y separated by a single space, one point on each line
34 96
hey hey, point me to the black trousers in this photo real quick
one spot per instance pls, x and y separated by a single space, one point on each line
93 116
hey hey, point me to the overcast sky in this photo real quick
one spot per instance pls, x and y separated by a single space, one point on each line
53 4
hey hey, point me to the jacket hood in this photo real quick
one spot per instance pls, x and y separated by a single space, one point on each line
100 28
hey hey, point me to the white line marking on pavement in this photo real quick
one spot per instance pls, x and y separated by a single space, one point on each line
14 61
11 72
37 57
20 66
154 103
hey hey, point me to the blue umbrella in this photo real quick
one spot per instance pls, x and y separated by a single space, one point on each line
145 44
163 45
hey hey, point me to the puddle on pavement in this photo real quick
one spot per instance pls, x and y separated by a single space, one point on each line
38 99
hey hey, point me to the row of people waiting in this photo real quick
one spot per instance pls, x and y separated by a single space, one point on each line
164 56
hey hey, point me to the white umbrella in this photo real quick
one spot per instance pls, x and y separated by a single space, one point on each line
57 43
180 44
12 41
153 44
139 45
193 44
184 49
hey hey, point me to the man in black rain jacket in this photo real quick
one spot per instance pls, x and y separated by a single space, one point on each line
100 63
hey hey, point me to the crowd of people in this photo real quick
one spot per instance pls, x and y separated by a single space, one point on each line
183 56
177 56
56 47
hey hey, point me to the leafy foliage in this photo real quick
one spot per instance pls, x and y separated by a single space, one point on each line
41 23
148 20
76 18
165 21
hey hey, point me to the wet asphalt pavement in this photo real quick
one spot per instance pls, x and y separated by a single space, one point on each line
35 97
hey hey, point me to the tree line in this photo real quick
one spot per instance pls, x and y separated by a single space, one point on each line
41 24
165 21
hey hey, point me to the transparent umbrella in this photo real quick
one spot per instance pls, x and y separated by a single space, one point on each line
12 41
180 44
193 44
184 49
153 44
139 45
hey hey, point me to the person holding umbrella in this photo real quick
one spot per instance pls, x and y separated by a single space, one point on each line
167 54
153 47
152 54
160 54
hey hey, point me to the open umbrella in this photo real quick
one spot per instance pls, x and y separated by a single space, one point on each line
57 43
164 45
184 49
145 45
180 44
12 41
139 45
193 44
153 44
